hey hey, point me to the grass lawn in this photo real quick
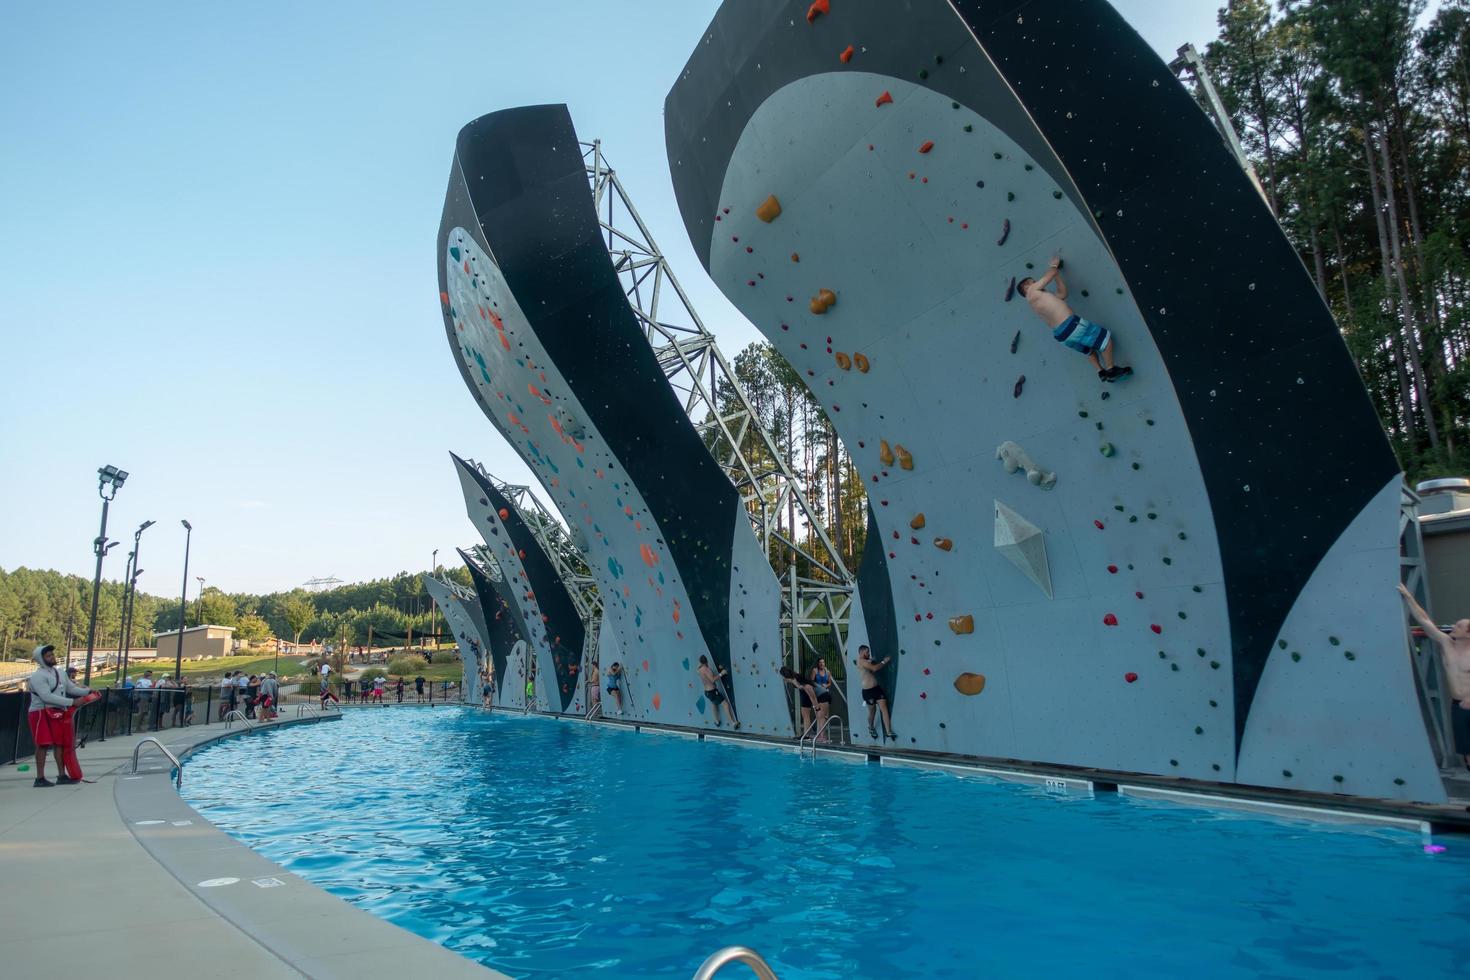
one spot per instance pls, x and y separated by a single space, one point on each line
199 671
442 669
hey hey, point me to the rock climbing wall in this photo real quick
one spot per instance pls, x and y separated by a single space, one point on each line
555 357
1187 572
502 636
546 617
467 636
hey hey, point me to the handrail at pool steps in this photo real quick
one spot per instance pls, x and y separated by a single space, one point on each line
735 954
814 732
178 765
237 715
595 711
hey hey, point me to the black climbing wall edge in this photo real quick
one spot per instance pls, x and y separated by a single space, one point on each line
1255 358
876 592
519 186
501 631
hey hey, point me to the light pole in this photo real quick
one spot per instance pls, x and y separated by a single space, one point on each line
183 600
199 602
132 597
434 606
122 624
109 481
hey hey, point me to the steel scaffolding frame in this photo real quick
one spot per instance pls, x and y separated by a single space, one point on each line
715 401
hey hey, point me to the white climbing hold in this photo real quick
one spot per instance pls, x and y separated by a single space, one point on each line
1023 545
1014 458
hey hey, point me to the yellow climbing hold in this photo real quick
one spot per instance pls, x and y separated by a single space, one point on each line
969 684
769 210
918 521
962 624
943 544
843 361
905 460
823 301
885 455
861 360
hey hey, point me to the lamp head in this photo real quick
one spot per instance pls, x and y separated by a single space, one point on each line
145 526
187 525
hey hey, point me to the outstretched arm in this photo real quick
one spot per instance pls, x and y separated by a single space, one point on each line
1061 284
1418 615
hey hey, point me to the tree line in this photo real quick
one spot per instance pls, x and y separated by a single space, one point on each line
45 606
1357 121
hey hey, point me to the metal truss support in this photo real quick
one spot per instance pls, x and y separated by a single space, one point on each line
1434 692
818 586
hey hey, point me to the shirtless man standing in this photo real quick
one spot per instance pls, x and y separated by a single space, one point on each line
714 691
1454 652
873 694
1067 327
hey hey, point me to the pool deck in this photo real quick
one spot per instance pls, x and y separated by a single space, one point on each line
122 878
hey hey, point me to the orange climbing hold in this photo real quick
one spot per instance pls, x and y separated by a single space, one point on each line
846 55
795 257
962 624
918 521
823 301
504 514
649 558
769 210
861 361
905 459
657 702
817 9
843 361
885 455
969 684
944 544
885 99
926 146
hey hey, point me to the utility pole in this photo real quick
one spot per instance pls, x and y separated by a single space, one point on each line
183 600
109 481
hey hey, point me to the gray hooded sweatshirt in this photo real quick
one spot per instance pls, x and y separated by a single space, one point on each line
50 687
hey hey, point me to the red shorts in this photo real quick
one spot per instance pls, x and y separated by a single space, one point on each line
43 729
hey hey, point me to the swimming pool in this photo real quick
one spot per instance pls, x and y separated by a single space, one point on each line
546 848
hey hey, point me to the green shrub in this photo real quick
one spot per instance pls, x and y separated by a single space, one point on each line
408 667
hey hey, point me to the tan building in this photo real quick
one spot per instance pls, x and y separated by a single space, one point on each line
199 642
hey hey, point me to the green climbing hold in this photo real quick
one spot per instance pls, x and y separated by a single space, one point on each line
1337 779
954 105
1214 703
1214 665
1185 537
1107 450
1350 655
1163 655
1119 292
24 767
1182 615
923 73
1334 641
1286 773
1029 167
1082 413
1173 762
1085 294
1173 666
997 155
1132 518
1149 421
454 251
1295 657
1058 196
1168 560
969 128
1030 266
1136 466
1010 195
1398 782
1201 651
1198 730
1099 426
1152 516
1198 589
1118 508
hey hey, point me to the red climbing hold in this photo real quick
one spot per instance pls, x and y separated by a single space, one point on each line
1130 677
1138 595
926 146
1110 620
846 55
1112 569
504 514
1156 627
817 9
1098 525
884 99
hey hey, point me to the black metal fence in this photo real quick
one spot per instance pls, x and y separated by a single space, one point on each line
120 711
355 692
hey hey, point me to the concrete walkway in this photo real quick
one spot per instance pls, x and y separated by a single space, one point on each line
122 878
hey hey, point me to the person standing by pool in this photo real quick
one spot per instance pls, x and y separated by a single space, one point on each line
613 684
1454 652
418 686
873 694
714 690
822 684
326 673
51 693
378 689
808 695
398 690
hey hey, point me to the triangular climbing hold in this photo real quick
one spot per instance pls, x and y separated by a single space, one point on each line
1023 545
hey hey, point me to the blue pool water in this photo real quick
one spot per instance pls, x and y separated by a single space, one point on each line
547 848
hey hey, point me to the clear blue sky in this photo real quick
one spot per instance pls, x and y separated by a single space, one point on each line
217 263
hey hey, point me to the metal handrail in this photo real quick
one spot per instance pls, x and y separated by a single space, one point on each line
178 766
595 711
237 715
815 732
302 709
735 954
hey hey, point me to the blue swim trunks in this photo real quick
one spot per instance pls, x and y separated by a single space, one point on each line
1082 336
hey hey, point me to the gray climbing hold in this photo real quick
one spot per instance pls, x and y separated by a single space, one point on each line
1014 458
1023 545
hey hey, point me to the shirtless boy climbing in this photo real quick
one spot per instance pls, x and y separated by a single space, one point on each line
1067 327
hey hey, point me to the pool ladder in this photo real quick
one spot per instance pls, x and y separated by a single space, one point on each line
238 715
178 765
735 954
814 732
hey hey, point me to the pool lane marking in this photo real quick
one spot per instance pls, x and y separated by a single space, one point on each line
1054 783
